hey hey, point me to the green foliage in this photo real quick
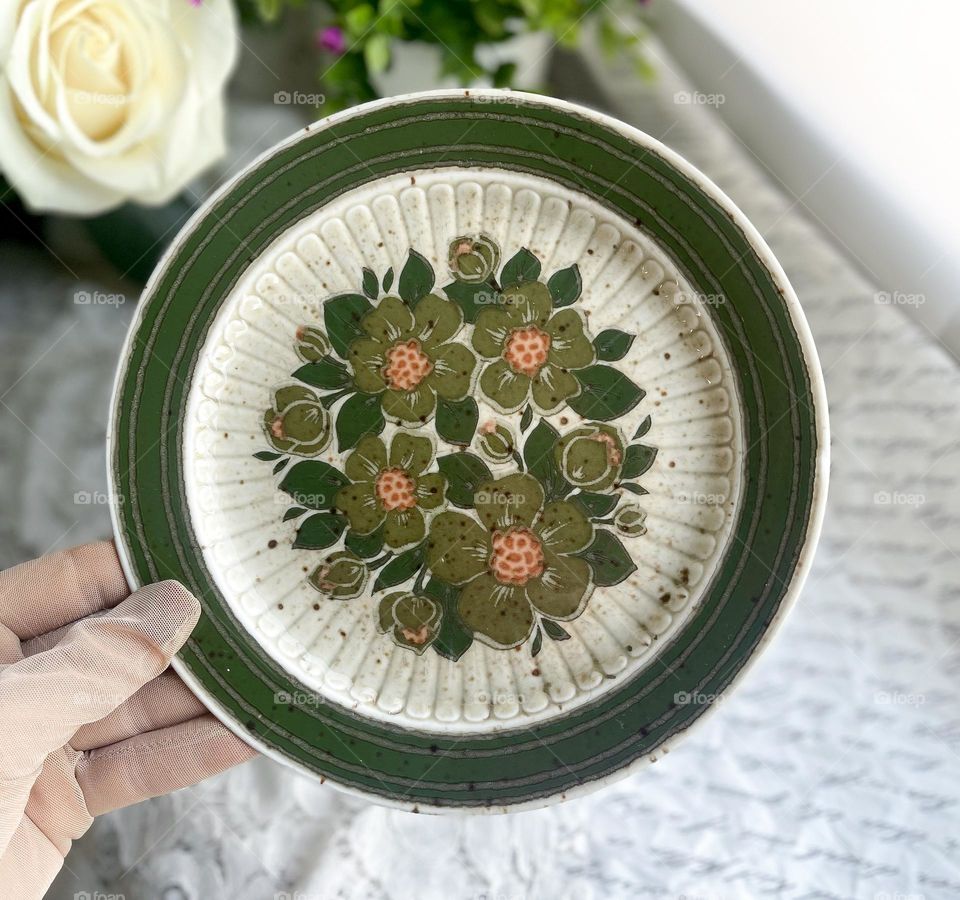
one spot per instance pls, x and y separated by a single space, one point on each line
371 28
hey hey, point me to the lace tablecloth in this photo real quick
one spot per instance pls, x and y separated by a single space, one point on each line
833 772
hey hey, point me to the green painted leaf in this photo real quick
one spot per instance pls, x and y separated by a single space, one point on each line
327 373
613 344
457 420
359 416
605 394
465 472
596 505
471 298
541 462
266 455
280 466
537 642
633 488
454 638
319 531
293 513
608 558
638 459
366 546
371 287
416 279
313 484
526 418
401 568
555 631
565 285
522 266
642 428
388 280
341 318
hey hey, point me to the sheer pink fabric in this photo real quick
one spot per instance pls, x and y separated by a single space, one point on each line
90 719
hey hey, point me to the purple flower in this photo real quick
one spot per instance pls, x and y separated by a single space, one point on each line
331 40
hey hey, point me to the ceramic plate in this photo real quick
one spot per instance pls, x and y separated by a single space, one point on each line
485 428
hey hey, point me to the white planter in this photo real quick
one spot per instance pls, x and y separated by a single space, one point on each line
416 66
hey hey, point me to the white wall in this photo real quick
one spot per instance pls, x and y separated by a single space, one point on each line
853 106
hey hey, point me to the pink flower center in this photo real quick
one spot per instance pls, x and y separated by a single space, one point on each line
517 556
276 428
526 350
395 489
407 365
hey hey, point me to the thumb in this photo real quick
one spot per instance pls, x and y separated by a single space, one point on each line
97 665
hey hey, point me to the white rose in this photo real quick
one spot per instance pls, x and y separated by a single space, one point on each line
102 101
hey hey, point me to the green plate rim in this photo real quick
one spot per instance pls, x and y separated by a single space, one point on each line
780 389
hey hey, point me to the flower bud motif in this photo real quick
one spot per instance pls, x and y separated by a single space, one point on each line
496 442
341 576
297 422
591 457
473 260
630 521
413 621
312 344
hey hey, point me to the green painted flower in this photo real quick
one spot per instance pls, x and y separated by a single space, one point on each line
534 351
312 344
473 260
516 562
341 576
413 621
297 422
391 490
405 358
591 456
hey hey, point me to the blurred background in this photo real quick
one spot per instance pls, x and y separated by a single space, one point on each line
833 771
